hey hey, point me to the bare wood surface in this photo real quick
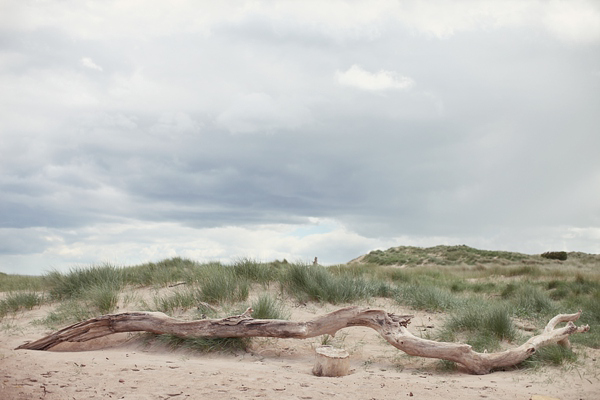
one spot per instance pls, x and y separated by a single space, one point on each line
390 326
330 361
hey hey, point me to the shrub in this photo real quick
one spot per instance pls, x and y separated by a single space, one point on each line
555 255
254 271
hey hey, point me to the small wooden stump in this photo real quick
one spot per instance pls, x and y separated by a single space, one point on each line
331 362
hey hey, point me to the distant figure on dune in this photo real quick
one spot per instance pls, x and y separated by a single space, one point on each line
315 262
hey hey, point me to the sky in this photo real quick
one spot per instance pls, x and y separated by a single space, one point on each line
133 131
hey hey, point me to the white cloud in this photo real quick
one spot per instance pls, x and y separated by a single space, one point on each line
357 77
89 63
576 20
573 21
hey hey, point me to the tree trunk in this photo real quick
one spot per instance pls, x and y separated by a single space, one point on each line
391 326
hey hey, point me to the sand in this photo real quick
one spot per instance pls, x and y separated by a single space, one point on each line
125 367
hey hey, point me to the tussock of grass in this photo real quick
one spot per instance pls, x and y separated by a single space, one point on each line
204 345
103 298
254 271
530 301
267 307
427 297
481 324
68 311
79 281
161 273
550 355
182 299
316 283
478 316
17 301
220 284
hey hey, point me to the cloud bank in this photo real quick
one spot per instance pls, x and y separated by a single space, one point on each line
217 130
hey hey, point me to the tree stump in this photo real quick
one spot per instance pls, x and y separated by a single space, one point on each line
331 362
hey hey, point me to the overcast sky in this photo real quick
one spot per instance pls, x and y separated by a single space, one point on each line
134 131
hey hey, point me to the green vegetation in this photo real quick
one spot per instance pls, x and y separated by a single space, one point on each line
481 292
17 301
203 345
10 283
550 355
555 255
80 281
182 299
483 324
267 307
442 255
428 297
317 283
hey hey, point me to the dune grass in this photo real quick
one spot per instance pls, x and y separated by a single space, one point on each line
268 307
317 283
14 282
79 281
200 344
14 302
482 324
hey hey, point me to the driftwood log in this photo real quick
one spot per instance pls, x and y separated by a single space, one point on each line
391 327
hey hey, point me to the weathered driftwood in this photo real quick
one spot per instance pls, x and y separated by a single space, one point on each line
391 326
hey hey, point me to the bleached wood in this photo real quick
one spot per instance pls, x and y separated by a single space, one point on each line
330 361
391 327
